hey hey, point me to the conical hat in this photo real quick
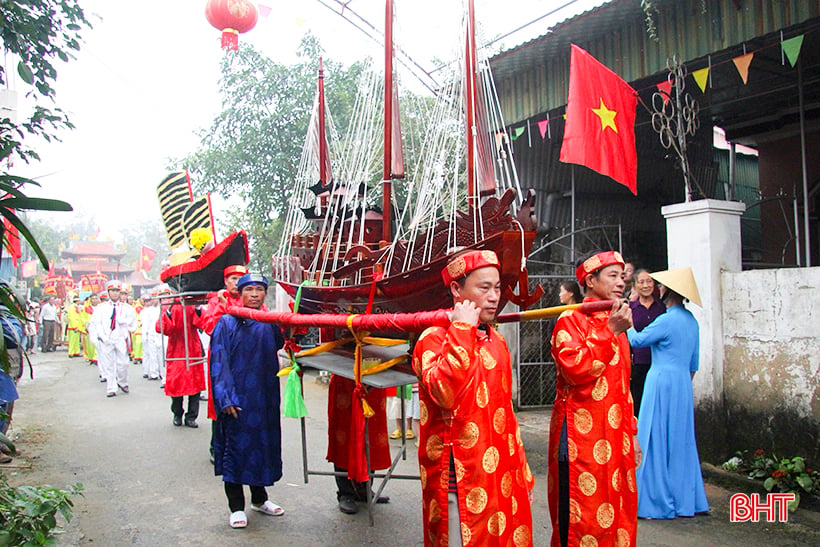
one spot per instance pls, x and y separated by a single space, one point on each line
681 281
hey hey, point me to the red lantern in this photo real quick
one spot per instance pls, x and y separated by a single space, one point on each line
232 17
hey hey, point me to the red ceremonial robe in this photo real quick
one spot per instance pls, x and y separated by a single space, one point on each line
182 379
592 393
465 391
340 408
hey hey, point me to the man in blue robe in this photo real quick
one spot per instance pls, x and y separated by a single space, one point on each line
248 436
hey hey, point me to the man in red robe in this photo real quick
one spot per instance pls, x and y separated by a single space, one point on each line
184 374
475 479
593 433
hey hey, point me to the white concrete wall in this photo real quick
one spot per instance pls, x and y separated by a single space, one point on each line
772 343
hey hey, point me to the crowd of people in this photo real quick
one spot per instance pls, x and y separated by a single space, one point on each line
624 397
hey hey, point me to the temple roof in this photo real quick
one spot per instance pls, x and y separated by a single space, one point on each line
92 248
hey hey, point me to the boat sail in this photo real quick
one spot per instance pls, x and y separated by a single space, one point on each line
345 254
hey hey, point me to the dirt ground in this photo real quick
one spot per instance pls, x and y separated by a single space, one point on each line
147 482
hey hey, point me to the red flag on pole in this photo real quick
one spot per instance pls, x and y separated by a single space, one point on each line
12 242
146 261
600 128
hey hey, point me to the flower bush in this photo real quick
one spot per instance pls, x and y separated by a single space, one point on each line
777 474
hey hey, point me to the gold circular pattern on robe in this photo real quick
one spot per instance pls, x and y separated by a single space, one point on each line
511 443
423 411
614 416
588 541
602 451
482 396
434 447
587 483
605 515
527 473
476 500
463 357
522 536
427 359
454 361
622 538
469 435
615 358
507 484
518 434
616 480
445 393
497 523
597 368
601 389
490 460
423 476
562 337
574 511
583 420
342 401
460 471
434 514
514 505
630 480
487 359
627 444
466 534
500 420
505 384
572 450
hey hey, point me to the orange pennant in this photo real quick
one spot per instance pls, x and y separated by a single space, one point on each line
742 64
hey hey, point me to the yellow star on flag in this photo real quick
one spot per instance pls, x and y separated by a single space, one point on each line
607 116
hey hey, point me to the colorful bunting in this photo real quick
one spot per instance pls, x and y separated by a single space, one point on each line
517 132
665 87
742 64
499 140
701 78
264 10
791 48
543 126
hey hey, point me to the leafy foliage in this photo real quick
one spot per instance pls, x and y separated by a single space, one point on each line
777 474
28 514
252 149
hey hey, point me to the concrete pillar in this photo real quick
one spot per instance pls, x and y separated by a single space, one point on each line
705 235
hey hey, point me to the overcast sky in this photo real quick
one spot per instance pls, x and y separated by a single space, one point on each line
147 79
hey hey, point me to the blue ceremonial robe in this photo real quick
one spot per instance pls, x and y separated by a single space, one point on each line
670 483
244 364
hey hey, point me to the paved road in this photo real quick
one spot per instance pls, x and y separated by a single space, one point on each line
149 483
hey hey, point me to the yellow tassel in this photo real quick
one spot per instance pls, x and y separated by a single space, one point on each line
284 372
384 366
366 410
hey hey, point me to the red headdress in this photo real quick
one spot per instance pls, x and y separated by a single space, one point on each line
597 262
235 269
468 262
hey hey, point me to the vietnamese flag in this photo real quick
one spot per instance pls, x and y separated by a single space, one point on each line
600 127
146 261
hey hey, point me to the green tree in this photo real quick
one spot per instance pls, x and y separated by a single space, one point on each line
252 149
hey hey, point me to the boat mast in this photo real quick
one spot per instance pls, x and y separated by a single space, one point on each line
324 156
387 188
470 85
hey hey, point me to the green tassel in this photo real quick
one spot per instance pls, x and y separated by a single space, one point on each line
294 403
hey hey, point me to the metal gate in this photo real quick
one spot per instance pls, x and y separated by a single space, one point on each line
550 264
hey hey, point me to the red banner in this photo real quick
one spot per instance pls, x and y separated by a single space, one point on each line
146 261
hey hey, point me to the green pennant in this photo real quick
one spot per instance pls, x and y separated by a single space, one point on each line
791 48
517 132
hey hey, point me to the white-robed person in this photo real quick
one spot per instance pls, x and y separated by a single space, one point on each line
111 327
151 339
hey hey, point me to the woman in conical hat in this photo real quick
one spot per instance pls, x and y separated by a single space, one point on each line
669 481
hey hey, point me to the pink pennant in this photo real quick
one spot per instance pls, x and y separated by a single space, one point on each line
264 10
542 127
666 88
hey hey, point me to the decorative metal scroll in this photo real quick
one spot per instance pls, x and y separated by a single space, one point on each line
674 118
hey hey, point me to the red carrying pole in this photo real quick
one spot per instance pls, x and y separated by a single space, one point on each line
401 322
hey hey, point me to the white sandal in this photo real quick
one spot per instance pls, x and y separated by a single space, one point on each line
238 519
269 508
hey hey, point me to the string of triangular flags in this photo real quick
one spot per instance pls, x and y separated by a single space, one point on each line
789 50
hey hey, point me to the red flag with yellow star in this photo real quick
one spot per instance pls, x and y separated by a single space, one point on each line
146 261
600 127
